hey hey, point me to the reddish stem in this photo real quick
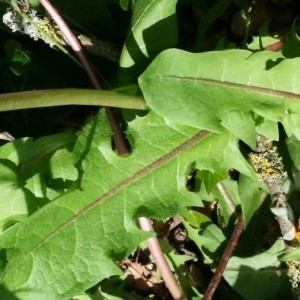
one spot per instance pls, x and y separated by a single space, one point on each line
224 259
75 44
161 262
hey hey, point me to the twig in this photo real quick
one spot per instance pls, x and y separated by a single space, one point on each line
161 262
75 44
224 260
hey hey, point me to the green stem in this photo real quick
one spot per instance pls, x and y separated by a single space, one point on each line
61 97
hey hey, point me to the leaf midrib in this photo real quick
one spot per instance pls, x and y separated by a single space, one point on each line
283 94
127 182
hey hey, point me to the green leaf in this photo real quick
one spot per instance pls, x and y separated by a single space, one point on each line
176 262
210 178
205 90
231 188
34 3
23 159
242 125
11 151
52 177
62 165
293 254
15 206
16 203
291 45
72 243
34 156
195 218
20 60
259 271
208 238
269 129
293 147
225 211
153 29
251 194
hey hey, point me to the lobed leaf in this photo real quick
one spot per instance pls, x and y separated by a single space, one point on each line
235 89
72 243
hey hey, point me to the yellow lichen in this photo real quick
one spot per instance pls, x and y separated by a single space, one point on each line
268 166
